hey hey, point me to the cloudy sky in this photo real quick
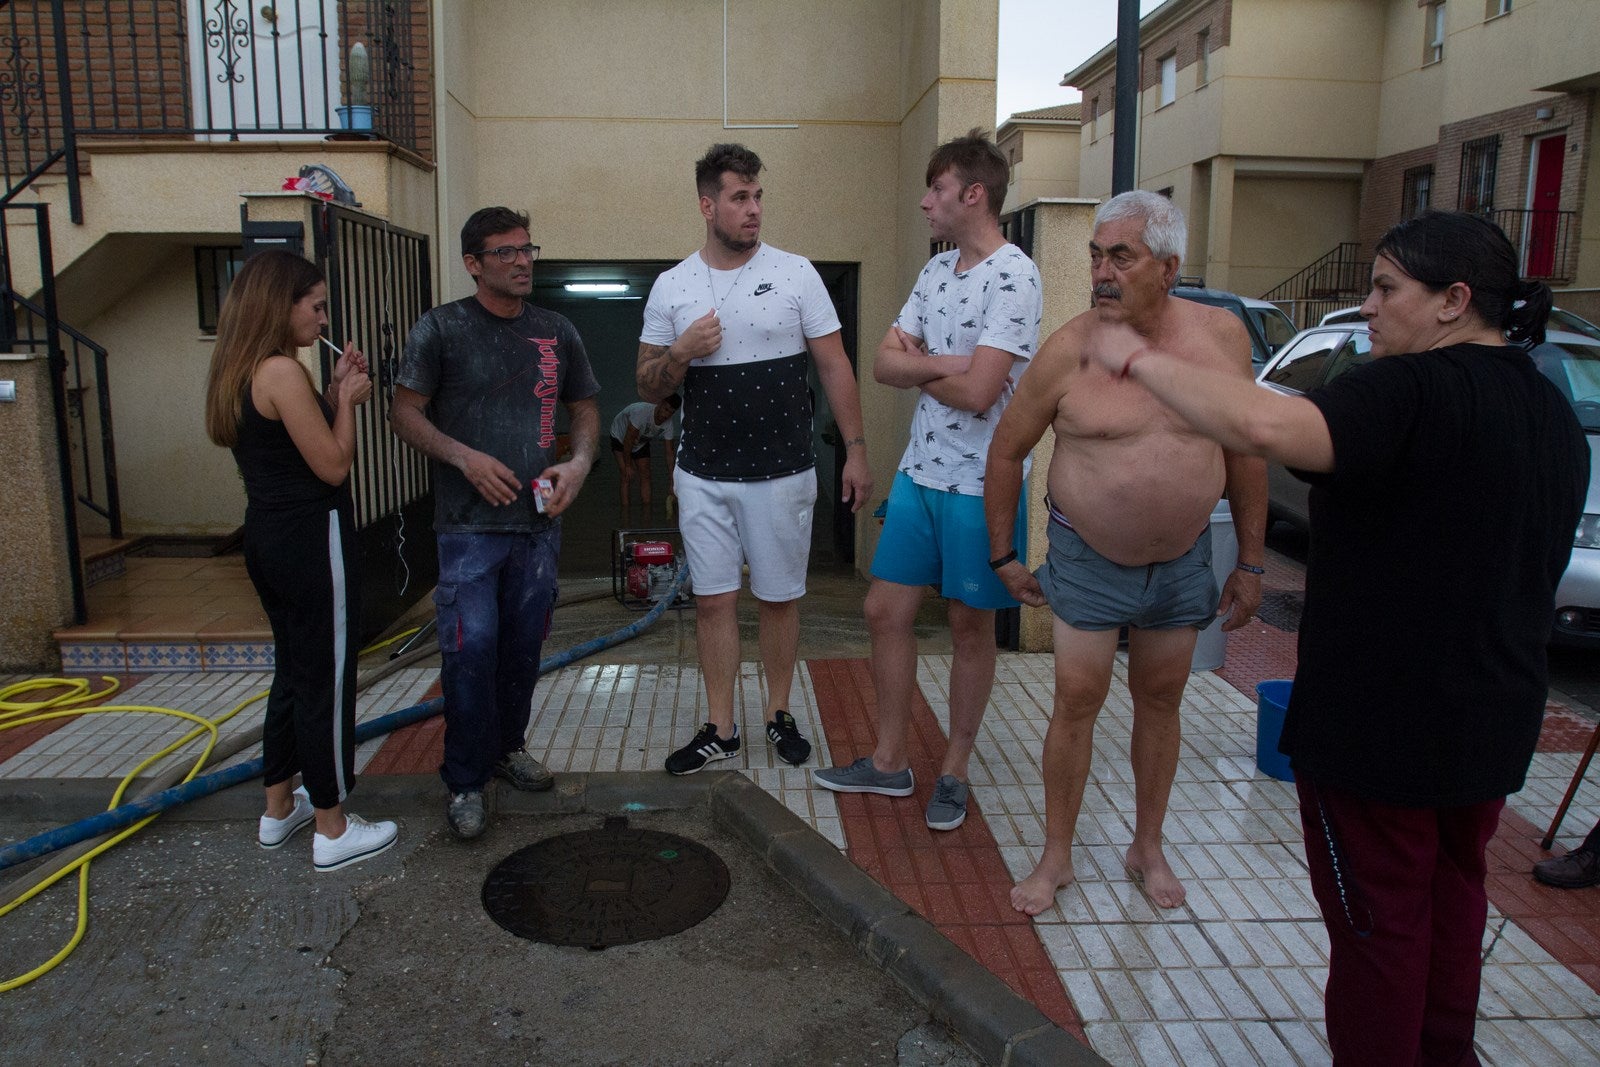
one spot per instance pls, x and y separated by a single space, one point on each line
1040 40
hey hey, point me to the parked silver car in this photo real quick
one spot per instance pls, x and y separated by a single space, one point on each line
1266 323
1560 319
1570 360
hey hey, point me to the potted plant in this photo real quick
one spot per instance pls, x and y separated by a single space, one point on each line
357 114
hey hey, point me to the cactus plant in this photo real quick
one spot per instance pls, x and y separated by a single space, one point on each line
359 76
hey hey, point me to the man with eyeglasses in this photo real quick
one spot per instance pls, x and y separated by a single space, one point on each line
736 325
476 393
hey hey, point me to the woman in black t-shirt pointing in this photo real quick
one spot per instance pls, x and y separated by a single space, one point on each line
1448 476
294 449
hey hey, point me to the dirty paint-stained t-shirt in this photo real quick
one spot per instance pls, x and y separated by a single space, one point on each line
493 384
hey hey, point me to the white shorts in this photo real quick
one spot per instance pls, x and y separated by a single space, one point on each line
766 524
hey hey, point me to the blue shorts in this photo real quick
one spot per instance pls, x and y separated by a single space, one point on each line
940 539
1089 592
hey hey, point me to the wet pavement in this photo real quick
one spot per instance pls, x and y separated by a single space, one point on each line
208 949
1233 977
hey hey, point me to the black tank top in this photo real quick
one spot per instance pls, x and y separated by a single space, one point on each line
275 474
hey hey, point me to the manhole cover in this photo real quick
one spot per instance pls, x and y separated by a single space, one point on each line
597 888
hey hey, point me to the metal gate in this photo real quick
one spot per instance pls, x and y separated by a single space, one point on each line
379 284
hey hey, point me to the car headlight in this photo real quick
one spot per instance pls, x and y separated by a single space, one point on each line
1588 535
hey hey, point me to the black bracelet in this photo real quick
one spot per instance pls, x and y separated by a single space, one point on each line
1251 567
996 564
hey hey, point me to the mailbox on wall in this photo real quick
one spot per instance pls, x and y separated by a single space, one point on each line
283 236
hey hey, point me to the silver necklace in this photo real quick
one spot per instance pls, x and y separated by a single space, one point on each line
716 305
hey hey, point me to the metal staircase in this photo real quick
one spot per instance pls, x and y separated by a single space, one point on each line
1336 280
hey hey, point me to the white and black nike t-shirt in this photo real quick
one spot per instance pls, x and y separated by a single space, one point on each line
746 410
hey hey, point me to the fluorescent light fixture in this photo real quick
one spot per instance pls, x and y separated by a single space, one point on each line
596 287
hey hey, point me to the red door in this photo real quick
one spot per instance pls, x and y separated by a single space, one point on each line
1542 232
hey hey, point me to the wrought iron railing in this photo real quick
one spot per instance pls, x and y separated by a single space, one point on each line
1546 241
1335 280
87 384
33 325
209 69
38 326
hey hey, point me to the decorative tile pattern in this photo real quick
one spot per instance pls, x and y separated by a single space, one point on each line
113 565
110 656
163 656
239 656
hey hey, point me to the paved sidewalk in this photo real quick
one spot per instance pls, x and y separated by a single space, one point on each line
1232 977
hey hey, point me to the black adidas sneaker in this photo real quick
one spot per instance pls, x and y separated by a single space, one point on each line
784 734
705 748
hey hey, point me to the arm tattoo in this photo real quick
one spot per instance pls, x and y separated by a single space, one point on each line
657 375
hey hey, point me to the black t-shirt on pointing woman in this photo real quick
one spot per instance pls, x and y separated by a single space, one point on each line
1437 542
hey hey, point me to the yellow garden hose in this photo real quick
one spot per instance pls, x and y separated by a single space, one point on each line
15 713
76 692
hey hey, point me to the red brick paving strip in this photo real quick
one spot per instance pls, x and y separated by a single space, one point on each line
15 740
1564 730
956 879
414 749
1257 652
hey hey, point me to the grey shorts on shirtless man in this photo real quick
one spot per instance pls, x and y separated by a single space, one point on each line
1089 592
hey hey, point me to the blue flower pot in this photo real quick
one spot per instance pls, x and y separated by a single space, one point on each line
355 116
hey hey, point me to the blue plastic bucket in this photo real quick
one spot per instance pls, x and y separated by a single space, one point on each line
1272 701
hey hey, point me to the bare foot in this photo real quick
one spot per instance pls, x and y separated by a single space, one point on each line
1150 869
1038 891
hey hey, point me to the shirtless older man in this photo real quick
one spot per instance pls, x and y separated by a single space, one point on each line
1132 488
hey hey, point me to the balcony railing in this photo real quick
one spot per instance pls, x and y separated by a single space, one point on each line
209 69
1546 241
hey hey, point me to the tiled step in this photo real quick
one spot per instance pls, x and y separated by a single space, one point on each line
166 614
103 557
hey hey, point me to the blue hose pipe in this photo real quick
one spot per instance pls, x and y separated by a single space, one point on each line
127 814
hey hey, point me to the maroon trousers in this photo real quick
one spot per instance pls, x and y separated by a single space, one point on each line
1402 894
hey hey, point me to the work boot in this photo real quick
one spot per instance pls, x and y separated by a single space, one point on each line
524 772
467 816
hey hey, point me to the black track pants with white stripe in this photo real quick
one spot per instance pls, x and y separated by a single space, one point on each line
303 565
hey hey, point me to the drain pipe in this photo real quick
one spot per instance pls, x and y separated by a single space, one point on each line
128 814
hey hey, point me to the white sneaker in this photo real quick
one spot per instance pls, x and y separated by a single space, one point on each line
360 840
274 832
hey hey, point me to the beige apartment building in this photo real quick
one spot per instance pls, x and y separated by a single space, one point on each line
188 116
1042 148
1294 134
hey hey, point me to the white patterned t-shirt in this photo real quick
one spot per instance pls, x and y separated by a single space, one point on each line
998 304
